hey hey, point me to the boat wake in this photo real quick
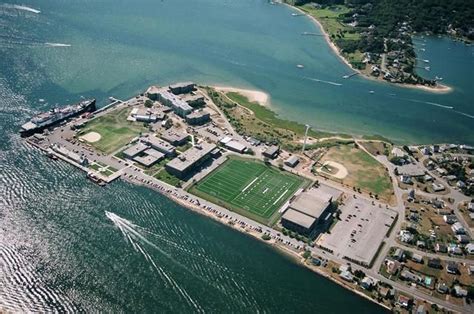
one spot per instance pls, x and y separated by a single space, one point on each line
20 7
137 239
57 45
464 114
428 103
322 81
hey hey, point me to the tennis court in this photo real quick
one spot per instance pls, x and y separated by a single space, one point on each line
250 185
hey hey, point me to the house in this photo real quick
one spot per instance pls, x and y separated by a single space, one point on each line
406 179
462 238
271 152
450 219
427 178
420 244
368 282
409 276
435 263
442 288
417 258
437 187
411 194
458 228
398 255
470 206
392 266
459 291
469 248
420 309
470 270
347 276
385 292
437 203
452 268
460 184
454 249
406 236
441 171
426 151
441 248
404 301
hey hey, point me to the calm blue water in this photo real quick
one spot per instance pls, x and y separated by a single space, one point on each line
58 248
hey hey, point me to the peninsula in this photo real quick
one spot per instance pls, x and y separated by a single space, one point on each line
392 224
374 38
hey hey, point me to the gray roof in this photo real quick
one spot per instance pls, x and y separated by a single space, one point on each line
197 114
190 157
292 160
175 100
298 218
235 145
182 84
272 150
158 143
155 153
174 136
310 204
135 149
411 170
146 160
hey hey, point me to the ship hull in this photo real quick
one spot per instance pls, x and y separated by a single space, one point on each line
91 107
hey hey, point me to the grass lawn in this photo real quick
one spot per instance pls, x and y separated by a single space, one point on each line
249 187
167 177
114 129
363 170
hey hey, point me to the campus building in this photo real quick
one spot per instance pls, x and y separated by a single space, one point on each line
311 208
271 152
188 161
179 106
159 145
198 117
182 88
175 137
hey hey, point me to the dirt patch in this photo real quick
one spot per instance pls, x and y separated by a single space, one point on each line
334 169
91 137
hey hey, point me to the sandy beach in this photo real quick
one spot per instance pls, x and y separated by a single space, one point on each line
253 95
439 88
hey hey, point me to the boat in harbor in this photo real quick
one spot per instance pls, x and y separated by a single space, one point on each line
300 66
55 116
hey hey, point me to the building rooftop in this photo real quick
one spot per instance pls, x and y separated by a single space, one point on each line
411 170
157 142
310 204
146 160
154 153
135 149
191 156
299 218
235 145
272 150
182 84
172 136
197 114
175 100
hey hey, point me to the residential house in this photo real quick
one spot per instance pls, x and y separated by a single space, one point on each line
452 268
458 228
435 263
459 291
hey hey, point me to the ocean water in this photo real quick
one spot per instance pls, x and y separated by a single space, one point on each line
67 245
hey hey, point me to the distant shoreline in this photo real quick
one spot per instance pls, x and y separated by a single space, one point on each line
439 88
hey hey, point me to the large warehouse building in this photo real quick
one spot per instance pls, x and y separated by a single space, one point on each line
309 209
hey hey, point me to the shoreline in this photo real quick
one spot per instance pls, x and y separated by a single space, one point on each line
439 89
282 249
252 95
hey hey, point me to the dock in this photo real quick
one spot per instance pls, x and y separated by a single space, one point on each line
348 76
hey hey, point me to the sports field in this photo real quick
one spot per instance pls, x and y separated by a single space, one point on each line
114 130
249 187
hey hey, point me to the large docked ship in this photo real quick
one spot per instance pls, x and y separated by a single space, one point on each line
55 116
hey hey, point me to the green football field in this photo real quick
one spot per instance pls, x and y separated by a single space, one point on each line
250 186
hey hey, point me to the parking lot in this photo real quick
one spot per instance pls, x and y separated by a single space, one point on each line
360 232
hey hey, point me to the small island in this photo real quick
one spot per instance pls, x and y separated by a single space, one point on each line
374 38
391 223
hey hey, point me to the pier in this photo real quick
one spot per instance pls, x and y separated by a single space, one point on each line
348 76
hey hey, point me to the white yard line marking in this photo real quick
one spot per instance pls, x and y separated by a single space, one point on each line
280 197
249 184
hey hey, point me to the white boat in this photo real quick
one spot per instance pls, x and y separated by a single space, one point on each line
300 66
372 92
